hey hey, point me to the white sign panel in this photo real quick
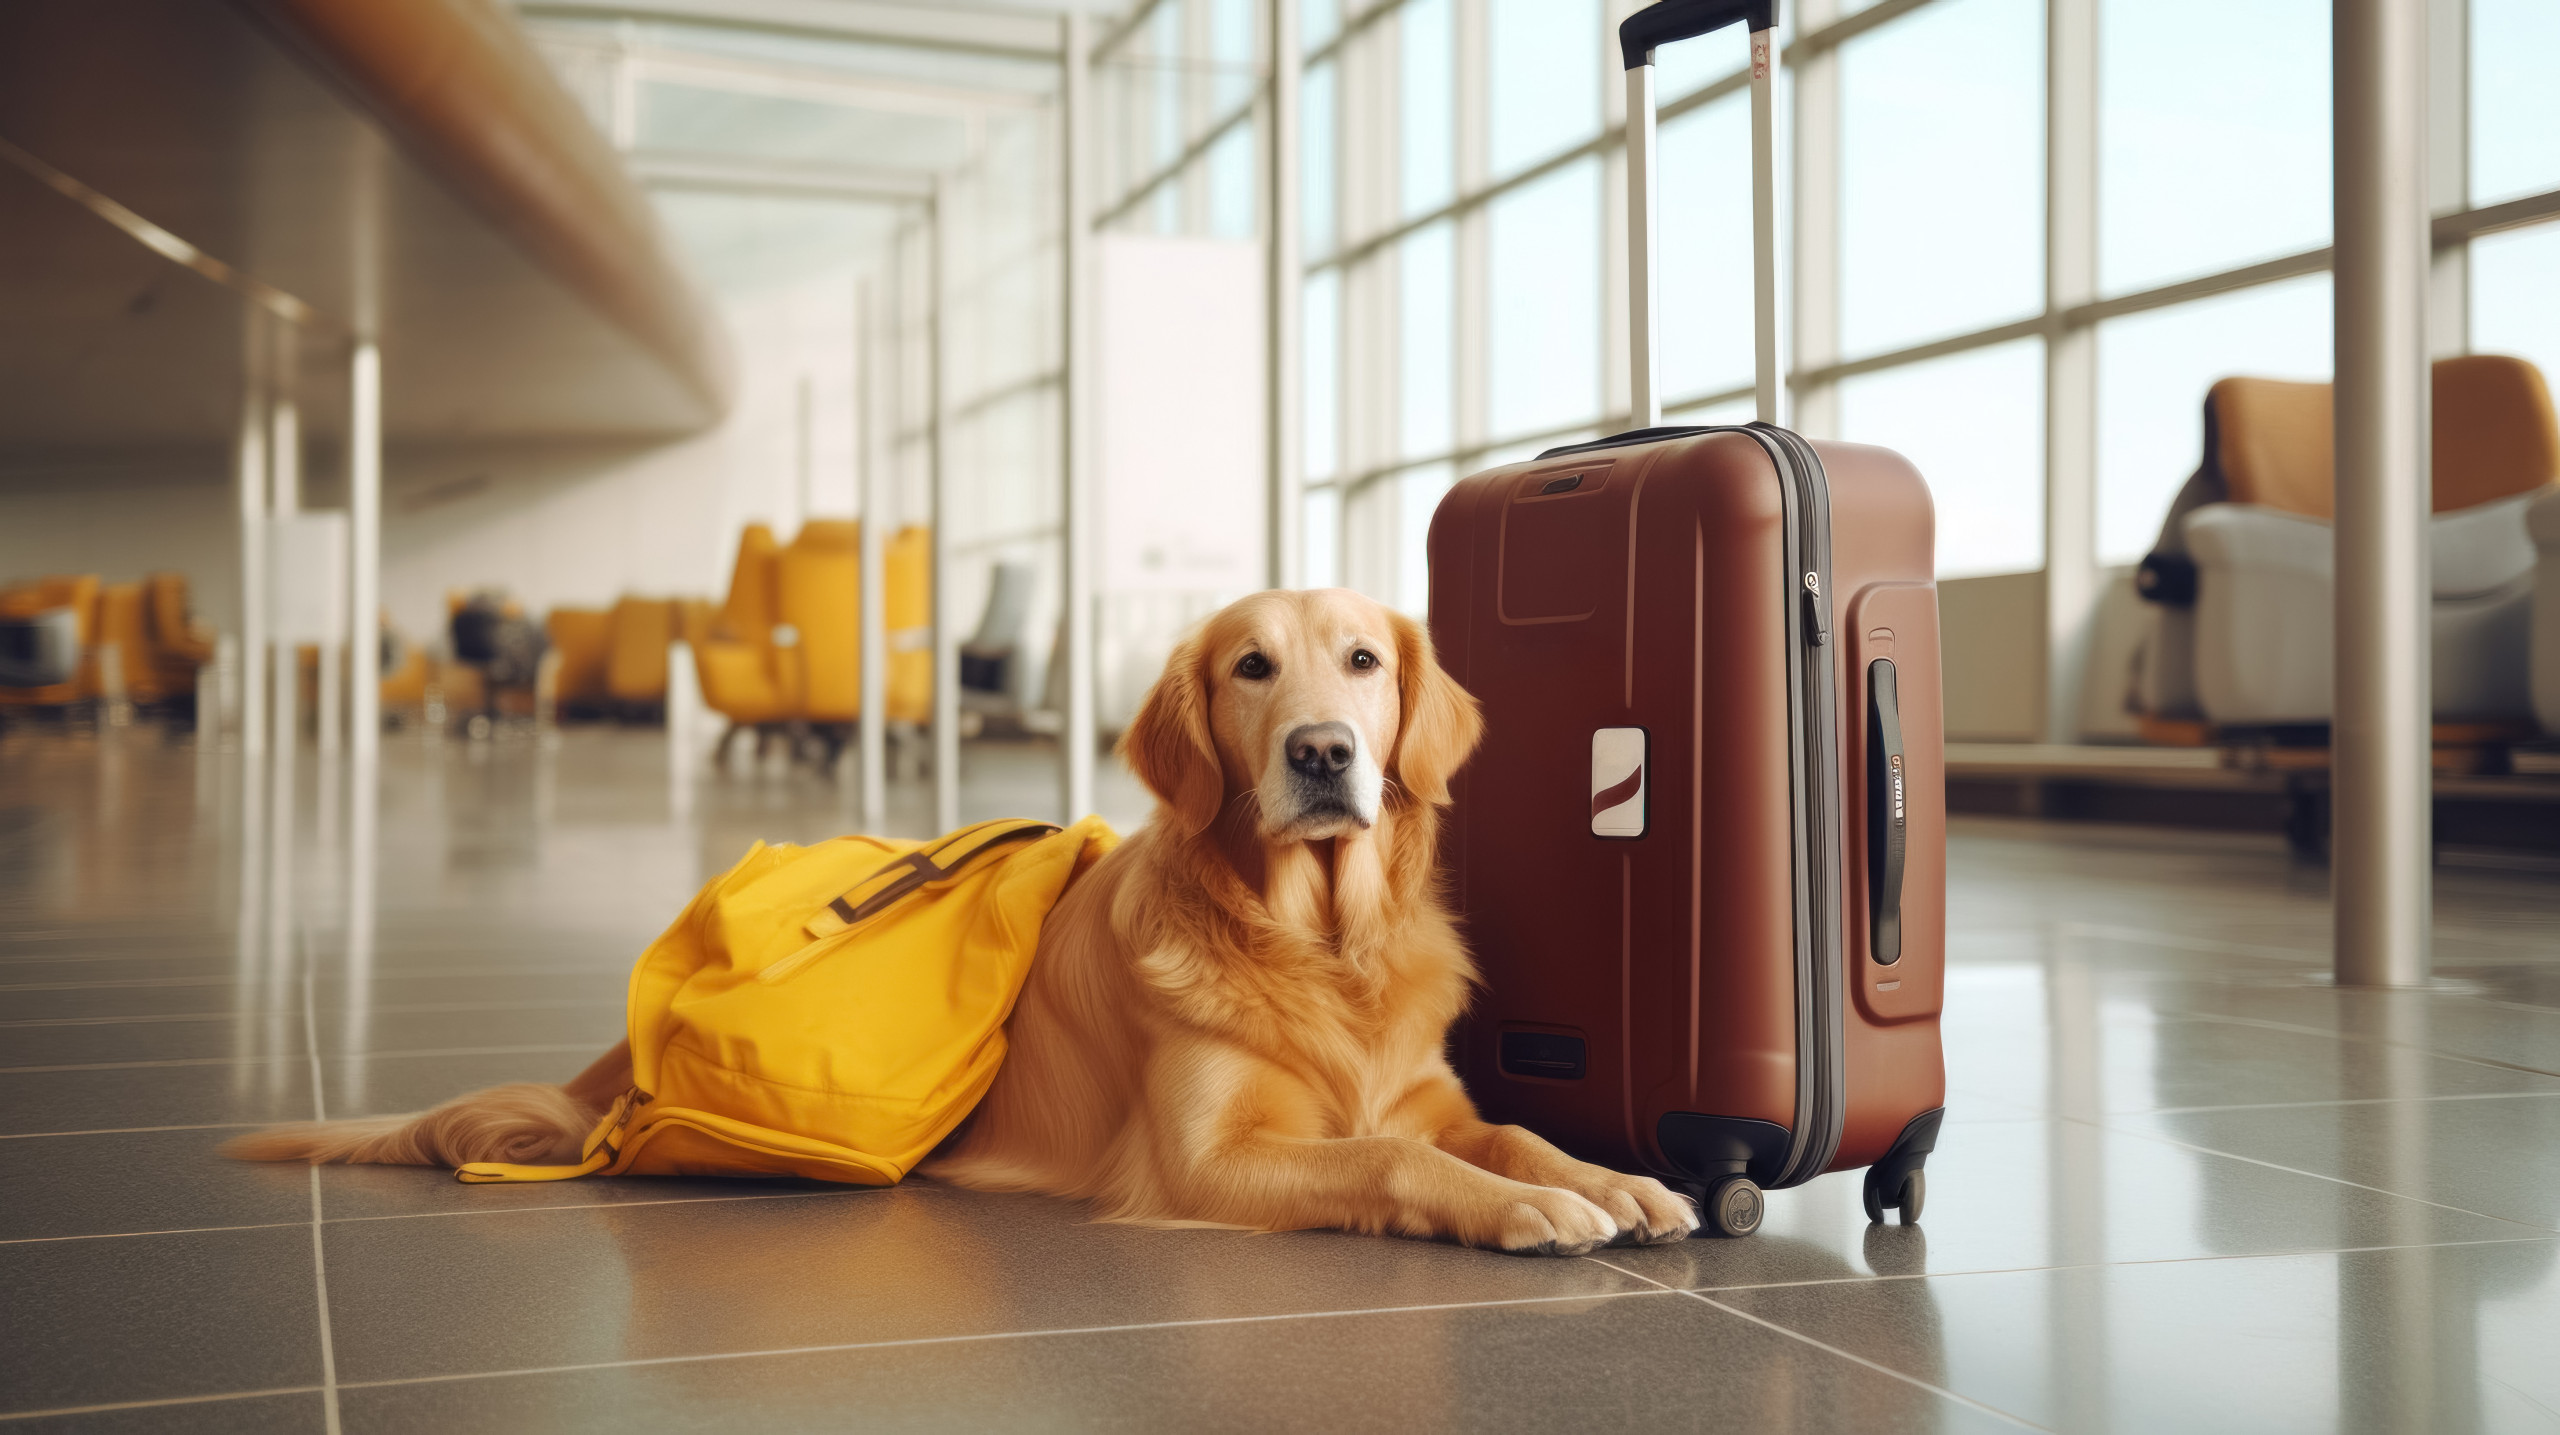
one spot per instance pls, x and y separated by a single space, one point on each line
307 578
1179 415
1617 782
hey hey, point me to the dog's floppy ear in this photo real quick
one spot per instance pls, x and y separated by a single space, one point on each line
1168 744
1441 725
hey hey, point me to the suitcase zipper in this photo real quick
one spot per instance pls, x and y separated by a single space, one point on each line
1814 762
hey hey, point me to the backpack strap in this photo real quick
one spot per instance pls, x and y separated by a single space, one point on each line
921 868
603 1147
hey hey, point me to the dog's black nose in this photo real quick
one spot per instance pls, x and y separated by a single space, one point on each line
1322 749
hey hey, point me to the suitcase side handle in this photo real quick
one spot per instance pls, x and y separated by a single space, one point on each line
1887 813
1673 20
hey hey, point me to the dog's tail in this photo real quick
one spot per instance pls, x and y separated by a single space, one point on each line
526 1124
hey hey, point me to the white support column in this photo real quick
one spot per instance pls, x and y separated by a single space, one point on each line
1284 309
946 619
2449 171
1644 349
284 500
1816 238
364 556
2070 359
870 458
249 467
2380 881
1076 536
1470 377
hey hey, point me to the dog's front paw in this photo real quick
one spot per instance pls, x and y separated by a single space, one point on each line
1646 1212
1545 1221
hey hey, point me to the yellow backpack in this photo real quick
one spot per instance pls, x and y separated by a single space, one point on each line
830 1011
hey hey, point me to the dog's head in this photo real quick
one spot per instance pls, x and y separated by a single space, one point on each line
1318 703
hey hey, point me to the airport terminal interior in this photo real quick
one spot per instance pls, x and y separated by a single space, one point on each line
472 469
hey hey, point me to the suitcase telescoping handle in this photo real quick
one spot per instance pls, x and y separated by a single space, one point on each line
1661 24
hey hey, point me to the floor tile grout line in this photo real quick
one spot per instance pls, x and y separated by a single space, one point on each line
2344 1101
2176 942
1876 1366
140 1235
409 1054
2269 1024
130 1130
2545 1238
849 1191
319 1246
421 974
396 1009
163 1403
2165 1140
1656 1289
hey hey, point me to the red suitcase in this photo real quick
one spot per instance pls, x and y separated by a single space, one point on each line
1701 855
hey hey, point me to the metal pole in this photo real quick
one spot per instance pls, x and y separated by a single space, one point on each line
2071 578
1644 396
364 557
2379 875
1283 307
250 468
946 626
1769 375
874 618
284 500
1075 164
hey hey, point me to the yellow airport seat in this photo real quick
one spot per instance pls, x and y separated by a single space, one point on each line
583 637
404 688
636 664
820 596
908 583
465 691
180 643
79 594
121 625
747 615
741 677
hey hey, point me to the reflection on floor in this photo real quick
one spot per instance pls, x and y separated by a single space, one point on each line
2184 1186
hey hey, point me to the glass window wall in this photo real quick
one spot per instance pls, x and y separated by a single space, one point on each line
1463 243
2515 296
1941 183
1427 105
1426 279
2213 136
1544 368
1547 60
1973 424
2515 98
2153 370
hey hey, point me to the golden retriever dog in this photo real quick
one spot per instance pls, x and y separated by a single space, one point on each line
1238 1017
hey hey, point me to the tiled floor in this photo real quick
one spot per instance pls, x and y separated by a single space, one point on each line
2184 1186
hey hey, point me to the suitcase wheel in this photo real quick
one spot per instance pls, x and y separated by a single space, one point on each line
1908 1200
1734 1206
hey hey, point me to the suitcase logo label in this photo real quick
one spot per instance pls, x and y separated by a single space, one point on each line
1617 782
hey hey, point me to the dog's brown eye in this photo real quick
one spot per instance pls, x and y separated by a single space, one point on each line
1364 659
1253 665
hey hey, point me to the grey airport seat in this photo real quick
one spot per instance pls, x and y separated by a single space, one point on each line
2241 584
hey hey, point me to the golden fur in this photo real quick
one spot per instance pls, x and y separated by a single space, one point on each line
1238 1017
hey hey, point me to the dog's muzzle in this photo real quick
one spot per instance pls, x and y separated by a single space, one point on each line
1324 778
1321 752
